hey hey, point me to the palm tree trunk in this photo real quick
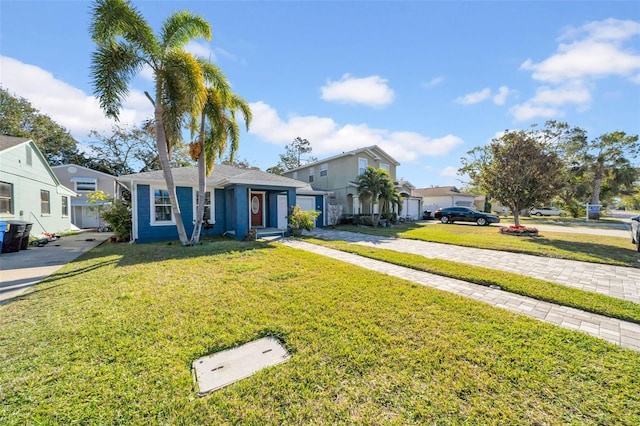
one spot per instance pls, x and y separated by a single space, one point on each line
163 154
202 186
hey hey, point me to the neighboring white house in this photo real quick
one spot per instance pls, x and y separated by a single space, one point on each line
29 190
443 196
85 181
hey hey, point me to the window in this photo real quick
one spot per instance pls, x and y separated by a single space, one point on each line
208 206
86 185
45 202
29 156
295 175
362 165
311 173
65 206
6 198
384 166
162 206
323 169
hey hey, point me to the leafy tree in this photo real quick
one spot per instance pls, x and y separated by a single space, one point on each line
292 158
129 149
125 44
219 131
20 119
606 160
374 185
518 169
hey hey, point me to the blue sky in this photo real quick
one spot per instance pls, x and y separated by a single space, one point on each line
427 81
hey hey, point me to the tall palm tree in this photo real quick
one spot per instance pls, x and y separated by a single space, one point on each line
371 185
218 128
125 44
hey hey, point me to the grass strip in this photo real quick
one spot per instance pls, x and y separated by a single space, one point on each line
514 283
583 247
109 339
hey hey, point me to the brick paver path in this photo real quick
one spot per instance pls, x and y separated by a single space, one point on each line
623 333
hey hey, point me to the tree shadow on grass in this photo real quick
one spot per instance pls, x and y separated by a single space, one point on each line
600 252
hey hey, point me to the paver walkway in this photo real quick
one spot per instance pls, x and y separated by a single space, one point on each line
615 281
623 333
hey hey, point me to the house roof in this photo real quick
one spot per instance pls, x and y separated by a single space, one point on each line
84 168
7 142
222 175
440 191
374 150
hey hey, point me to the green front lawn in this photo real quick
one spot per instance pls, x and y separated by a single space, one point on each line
109 339
583 247
514 283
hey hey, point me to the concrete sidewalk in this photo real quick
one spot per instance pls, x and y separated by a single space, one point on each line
21 270
623 333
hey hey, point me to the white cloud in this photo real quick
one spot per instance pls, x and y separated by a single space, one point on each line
528 111
68 106
586 54
500 98
201 49
433 82
372 91
475 97
329 138
450 172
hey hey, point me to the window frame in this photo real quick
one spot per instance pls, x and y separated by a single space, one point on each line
153 212
45 203
64 205
9 198
324 170
212 216
311 174
366 164
385 166
86 181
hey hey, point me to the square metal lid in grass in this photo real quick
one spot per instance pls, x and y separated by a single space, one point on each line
215 371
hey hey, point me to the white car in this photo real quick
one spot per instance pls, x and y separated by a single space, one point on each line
545 211
635 231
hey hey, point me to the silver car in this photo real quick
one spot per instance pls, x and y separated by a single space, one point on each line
635 231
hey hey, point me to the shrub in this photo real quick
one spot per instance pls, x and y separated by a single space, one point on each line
118 215
302 219
520 231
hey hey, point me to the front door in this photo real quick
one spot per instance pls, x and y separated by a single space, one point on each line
257 209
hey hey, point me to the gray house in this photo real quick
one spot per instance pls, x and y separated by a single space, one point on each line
29 190
85 181
339 175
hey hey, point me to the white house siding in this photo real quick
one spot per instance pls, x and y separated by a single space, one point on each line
28 180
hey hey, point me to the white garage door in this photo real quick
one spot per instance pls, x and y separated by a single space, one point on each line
414 209
306 203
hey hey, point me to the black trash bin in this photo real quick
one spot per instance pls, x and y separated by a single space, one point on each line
25 236
13 236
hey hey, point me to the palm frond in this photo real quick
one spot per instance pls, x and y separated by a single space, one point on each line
182 27
112 68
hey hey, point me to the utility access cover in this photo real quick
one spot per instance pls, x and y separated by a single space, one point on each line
218 370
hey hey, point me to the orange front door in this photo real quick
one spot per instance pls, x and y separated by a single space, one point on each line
257 210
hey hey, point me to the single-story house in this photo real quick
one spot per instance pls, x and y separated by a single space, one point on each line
29 190
237 201
85 181
443 196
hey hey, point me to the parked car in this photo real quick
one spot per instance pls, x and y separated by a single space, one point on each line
546 211
635 231
465 214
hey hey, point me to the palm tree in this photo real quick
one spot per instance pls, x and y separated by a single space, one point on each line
371 185
218 127
125 44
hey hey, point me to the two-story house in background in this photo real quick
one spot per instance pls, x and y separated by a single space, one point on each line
85 181
339 175
29 190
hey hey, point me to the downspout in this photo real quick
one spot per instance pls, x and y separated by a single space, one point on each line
134 213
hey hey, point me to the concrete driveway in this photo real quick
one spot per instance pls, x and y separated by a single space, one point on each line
21 270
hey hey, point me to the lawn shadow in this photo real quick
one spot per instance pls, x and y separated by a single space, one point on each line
605 253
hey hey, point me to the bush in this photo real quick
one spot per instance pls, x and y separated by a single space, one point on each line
118 215
519 231
302 219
